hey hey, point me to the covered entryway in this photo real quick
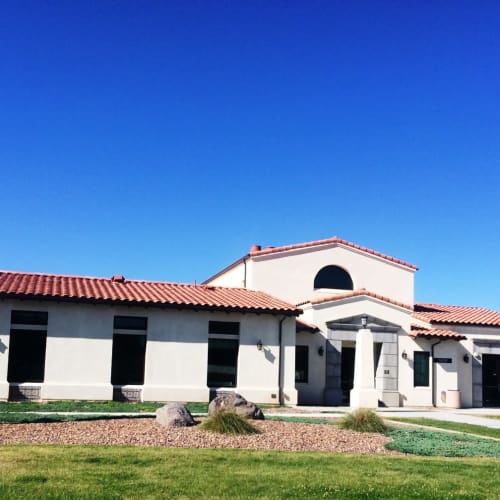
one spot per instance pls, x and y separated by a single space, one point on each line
491 379
341 356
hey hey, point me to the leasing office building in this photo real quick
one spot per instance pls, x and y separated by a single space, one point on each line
358 304
355 337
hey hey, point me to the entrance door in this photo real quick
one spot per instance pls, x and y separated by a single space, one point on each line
491 379
347 373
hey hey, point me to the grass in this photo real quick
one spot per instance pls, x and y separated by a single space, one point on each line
490 416
128 472
91 406
303 420
452 426
443 444
25 418
225 422
363 420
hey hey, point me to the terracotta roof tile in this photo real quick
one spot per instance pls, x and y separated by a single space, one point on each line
255 250
418 331
358 293
85 289
461 315
304 326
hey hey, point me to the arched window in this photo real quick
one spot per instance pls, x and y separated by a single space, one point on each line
333 277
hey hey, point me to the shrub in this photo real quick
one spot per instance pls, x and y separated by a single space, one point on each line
226 422
363 420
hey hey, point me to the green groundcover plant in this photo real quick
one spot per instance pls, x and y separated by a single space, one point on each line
226 422
363 420
441 444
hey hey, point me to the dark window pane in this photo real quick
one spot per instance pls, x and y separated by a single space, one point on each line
224 327
222 362
127 365
28 317
301 363
130 323
26 356
333 277
420 369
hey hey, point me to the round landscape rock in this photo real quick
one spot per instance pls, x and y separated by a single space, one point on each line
235 403
174 415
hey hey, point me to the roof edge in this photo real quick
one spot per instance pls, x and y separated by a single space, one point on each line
327 241
179 306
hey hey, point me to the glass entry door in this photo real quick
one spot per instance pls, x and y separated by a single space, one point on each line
491 379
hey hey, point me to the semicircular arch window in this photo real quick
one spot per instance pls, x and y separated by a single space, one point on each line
333 277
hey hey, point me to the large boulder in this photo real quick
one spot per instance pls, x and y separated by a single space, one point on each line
237 404
174 415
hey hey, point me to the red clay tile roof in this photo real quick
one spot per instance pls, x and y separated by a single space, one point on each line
255 250
460 315
148 293
301 326
357 293
418 331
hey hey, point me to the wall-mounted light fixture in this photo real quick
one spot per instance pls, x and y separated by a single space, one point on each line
364 321
466 358
477 355
404 355
259 345
321 350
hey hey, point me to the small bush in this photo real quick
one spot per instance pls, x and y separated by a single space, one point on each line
363 420
229 423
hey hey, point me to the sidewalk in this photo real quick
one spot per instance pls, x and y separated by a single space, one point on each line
462 415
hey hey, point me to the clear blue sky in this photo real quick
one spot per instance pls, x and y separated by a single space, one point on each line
159 139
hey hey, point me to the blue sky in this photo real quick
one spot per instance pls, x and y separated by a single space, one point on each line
159 140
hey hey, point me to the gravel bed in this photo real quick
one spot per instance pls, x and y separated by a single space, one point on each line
283 436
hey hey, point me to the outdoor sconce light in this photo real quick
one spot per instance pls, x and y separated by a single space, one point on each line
321 350
404 355
259 345
364 321
466 358
477 355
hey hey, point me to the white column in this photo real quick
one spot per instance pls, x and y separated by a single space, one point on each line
363 393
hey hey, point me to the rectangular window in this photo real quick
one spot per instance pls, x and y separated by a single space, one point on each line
29 318
223 346
129 354
421 369
27 345
301 363
130 323
129 350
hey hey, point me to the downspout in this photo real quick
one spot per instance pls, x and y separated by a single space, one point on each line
434 372
244 272
280 362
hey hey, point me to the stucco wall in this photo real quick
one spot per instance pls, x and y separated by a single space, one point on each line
312 391
79 352
290 275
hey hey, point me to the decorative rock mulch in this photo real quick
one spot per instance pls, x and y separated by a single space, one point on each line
283 436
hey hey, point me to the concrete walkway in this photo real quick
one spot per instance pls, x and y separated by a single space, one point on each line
474 416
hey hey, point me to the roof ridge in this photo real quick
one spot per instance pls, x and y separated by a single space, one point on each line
357 293
127 280
326 241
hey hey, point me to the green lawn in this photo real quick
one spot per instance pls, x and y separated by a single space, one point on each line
302 420
452 426
132 472
91 406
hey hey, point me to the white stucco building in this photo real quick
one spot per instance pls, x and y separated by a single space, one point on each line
325 322
418 354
